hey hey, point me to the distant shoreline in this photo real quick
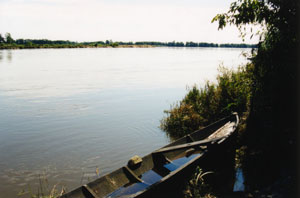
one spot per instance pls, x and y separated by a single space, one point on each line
63 46
14 47
9 43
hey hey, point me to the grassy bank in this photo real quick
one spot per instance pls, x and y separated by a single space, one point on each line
204 105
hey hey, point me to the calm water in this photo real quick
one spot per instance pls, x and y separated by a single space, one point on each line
65 113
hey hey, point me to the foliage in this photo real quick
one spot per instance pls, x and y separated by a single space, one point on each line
201 106
275 64
266 88
191 44
197 187
272 123
9 43
9 39
114 44
2 40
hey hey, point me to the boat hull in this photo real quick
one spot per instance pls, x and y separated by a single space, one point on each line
159 173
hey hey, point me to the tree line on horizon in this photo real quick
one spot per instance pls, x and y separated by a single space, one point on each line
7 42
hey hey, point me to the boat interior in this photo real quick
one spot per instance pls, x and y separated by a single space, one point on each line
141 174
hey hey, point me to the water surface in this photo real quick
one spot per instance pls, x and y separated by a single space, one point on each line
67 113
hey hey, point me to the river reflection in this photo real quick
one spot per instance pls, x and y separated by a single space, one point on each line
6 54
65 113
9 55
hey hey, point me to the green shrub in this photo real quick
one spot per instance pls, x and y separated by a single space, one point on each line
201 106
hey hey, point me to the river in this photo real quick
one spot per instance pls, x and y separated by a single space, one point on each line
72 115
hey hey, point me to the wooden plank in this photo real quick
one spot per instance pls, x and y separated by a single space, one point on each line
87 189
190 138
159 159
130 174
161 170
187 145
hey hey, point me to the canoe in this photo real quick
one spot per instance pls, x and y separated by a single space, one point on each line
161 169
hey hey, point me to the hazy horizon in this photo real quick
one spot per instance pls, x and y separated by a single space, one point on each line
126 20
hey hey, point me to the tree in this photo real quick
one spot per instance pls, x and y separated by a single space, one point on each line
2 40
9 39
272 125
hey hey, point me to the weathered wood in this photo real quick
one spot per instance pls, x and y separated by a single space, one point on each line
162 171
190 138
189 152
134 161
188 145
159 159
161 163
131 175
89 191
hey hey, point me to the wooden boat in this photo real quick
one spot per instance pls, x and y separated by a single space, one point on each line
143 177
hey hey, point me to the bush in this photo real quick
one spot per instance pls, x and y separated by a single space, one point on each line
202 106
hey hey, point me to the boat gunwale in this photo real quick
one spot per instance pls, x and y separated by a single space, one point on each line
172 173
190 162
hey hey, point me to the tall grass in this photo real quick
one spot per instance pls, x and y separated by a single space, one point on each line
204 105
42 190
197 187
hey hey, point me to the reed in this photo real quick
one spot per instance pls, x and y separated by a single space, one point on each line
44 189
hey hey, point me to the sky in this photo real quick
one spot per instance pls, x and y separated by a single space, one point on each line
117 20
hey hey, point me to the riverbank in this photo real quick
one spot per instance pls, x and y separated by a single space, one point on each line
59 46
15 46
9 43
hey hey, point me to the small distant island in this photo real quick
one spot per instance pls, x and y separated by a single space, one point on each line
7 42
